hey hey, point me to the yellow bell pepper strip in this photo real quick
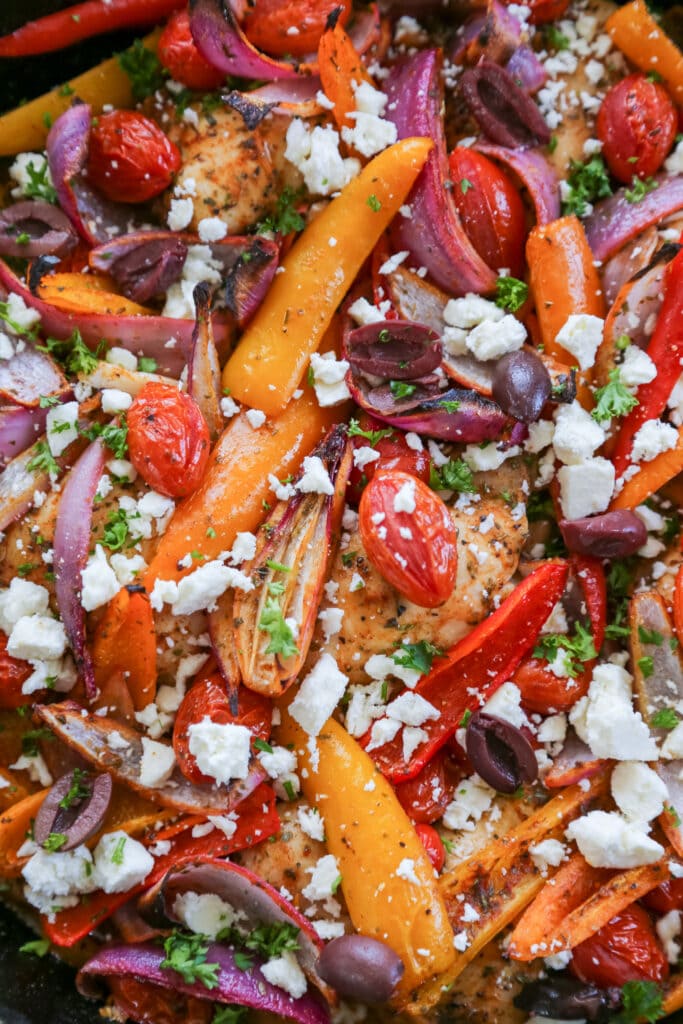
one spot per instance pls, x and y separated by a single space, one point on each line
636 33
230 498
87 293
267 367
370 835
25 128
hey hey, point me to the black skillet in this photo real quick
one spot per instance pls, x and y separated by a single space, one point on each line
33 990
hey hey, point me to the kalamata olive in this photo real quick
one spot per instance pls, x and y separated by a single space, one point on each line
500 753
397 349
611 535
360 968
521 385
74 808
566 998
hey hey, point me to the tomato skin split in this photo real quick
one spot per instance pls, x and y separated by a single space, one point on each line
168 440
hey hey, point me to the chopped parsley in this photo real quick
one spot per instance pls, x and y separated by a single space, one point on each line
555 38
116 530
242 961
55 841
114 435
650 636
230 1015
511 293
640 1000
260 744
614 399
455 475
117 854
580 647
38 947
144 69
77 791
465 185
286 217
277 566
49 401
465 719
374 203
274 939
186 955
665 718
417 656
24 332
39 185
72 353
401 388
371 436
146 364
29 741
640 187
587 182
272 621
646 666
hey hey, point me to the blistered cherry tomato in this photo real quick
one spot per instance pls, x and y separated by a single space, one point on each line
409 536
667 896
181 58
13 674
209 698
394 453
270 24
543 691
625 949
426 797
490 208
168 439
637 123
543 11
130 158
151 1004
431 840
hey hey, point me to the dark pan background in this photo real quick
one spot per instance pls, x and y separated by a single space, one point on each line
32 990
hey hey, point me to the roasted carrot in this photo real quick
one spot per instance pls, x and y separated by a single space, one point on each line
339 67
650 477
15 827
127 615
267 367
678 604
636 33
87 293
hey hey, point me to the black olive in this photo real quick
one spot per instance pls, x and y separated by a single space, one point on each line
521 385
567 998
360 968
75 808
612 535
500 753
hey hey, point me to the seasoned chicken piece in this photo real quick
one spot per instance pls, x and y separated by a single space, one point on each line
238 173
491 534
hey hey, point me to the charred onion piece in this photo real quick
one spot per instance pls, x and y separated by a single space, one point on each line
204 372
144 264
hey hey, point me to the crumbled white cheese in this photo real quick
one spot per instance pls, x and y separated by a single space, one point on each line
315 479
638 791
221 750
404 500
329 379
315 152
637 368
653 438
411 709
20 599
608 840
312 823
471 310
481 460
606 721
318 695
120 862
211 229
157 763
99 581
586 488
472 798
180 214
37 638
548 853
204 913
284 971
492 339
577 435
581 336
61 426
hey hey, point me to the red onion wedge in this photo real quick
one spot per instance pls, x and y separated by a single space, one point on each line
94 217
535 173
166 340
526 69
234 985
504 112
19 428
614 221
35 228
433 234
634 257
89 735
296 97
575 761
259 902
29 375
204 372
144 264
251 264
71 547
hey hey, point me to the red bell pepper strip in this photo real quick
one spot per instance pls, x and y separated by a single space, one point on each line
254 824
591 578
474 668
666 351
92 18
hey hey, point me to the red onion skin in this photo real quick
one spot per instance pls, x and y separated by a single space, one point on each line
143 335
244 988
434 234
71 547
527 70
537 175
623 266
614 221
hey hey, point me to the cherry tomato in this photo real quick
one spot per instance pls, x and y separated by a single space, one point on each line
168 439
490 208
210 698
415 546
543 691
130 159
667 896
543 11
426 797
150 1004
179 55
13 674
394 453
637 123
625 949
431 840
270 23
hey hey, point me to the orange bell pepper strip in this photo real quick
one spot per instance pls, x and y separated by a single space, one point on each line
128 615
87 293
25 128
230 498
268 364
370 835
338 66
15 827
563 281
476 666
73 924
650 477
636 33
